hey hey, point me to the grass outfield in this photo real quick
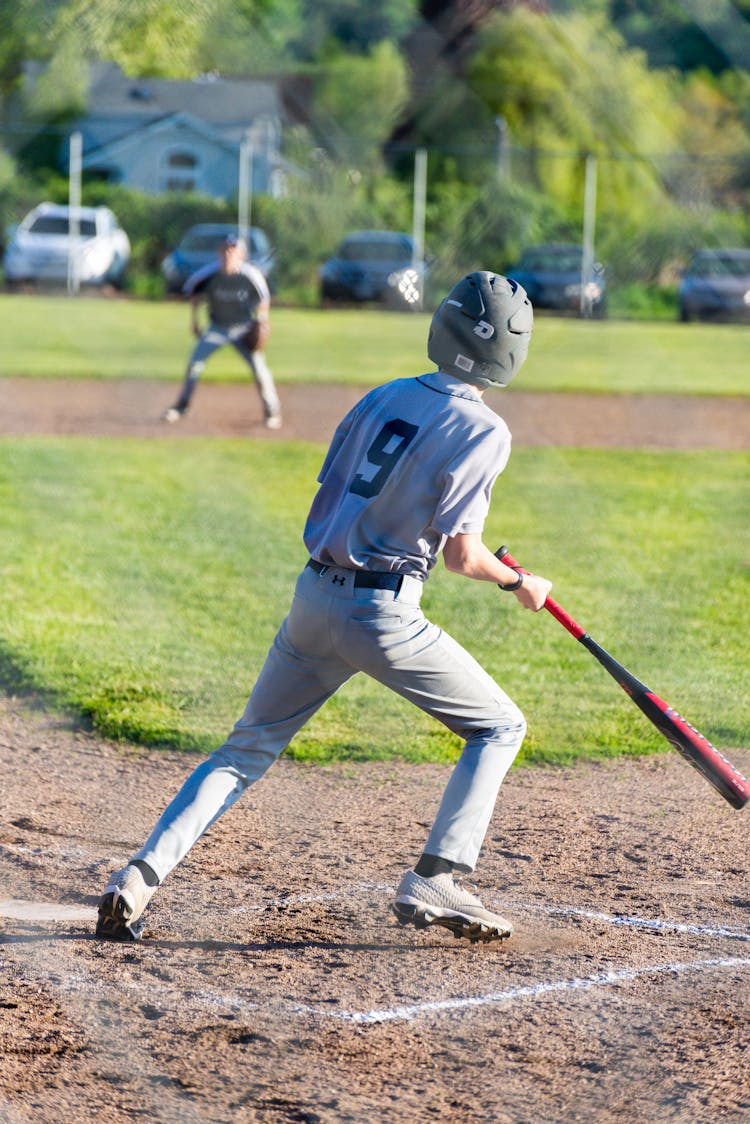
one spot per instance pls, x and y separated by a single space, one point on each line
100 338
142 583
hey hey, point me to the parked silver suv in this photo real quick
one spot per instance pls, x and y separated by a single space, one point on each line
40 247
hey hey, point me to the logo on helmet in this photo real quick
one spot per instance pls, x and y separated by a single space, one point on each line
484 330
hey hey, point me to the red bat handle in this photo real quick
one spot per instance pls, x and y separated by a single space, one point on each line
551 606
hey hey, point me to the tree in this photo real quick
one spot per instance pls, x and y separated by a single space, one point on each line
251 36
23 37
568 87
144 37
686 36
355 26
358 99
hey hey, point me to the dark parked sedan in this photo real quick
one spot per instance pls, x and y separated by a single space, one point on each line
716 286
199 246
551 275
374 265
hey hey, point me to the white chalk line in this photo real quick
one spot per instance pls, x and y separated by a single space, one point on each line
412 1011
654 923
657 923
86 983
44 911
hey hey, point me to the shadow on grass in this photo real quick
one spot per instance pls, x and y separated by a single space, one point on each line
18 680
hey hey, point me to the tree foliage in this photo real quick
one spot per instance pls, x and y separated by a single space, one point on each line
509 99
358 99
569 87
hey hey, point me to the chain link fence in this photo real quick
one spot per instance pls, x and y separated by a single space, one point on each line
474 207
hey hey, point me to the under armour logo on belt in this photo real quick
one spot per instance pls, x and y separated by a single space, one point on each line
338 580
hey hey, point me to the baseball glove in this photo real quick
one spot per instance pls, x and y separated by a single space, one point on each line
257 335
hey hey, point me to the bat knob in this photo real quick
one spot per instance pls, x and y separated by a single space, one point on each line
503 550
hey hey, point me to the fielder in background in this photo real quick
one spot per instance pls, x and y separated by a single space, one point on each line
238 305
408 475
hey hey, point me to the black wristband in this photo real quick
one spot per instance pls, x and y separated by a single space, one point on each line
514 586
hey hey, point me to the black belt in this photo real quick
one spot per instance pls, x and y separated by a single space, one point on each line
365 579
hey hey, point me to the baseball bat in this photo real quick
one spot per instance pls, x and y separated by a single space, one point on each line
683 737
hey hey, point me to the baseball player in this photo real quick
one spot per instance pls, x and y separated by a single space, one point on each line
408 475
238 304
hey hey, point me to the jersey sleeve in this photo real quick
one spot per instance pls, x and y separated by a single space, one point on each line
258 281
467 484
197 281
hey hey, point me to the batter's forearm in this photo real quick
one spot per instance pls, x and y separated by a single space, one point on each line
467 555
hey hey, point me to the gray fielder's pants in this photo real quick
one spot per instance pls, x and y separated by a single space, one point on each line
332 631
212 339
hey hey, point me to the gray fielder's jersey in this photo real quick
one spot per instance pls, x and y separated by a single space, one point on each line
233 298
410 465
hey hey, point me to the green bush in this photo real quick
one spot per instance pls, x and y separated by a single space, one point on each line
637 301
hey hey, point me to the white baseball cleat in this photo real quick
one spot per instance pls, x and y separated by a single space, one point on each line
439 901
172 414
273 421
125 897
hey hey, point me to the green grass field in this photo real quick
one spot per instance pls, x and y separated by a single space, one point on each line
99 338
142 583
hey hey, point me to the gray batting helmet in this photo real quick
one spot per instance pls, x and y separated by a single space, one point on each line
481 331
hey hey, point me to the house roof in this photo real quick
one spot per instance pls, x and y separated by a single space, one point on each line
214 98
117 104
182 122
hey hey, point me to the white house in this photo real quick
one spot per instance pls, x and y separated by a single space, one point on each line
159 135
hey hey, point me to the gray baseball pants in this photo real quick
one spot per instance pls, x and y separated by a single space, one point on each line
212 339
335 629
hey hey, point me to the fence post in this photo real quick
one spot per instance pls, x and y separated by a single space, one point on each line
74 218
418 216
589 223
245 189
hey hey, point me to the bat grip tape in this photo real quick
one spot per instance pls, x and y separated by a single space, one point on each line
557 611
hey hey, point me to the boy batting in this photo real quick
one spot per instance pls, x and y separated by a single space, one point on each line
407 477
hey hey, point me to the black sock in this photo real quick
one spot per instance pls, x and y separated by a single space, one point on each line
429 865
149 876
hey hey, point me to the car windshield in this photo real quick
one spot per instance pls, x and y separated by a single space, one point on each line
58 224
552 261
203 241
208 242
721 265
369 250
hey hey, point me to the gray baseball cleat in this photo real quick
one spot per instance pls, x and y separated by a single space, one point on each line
122 904
439 901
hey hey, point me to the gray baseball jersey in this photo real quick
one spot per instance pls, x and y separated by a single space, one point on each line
233 298
411 464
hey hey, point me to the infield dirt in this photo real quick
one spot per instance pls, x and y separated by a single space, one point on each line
273 982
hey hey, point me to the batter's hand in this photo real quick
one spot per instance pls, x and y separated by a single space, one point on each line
533 593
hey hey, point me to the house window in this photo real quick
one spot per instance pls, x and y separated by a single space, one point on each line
179 171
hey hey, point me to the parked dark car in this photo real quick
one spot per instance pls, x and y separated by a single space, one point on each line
716 286
374 265
551 275
199 245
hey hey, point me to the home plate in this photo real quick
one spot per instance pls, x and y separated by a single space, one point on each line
45 911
